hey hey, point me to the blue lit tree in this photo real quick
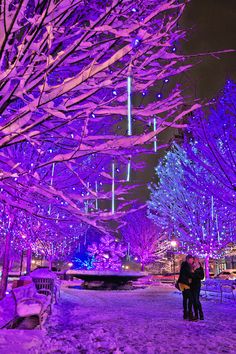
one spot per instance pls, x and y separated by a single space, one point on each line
201 222
83 261
213 146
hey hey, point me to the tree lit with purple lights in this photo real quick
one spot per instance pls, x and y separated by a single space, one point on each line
145 240
71 77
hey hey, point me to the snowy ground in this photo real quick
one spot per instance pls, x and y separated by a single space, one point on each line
139 321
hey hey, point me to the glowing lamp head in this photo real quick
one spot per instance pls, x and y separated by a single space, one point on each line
70 264
173 243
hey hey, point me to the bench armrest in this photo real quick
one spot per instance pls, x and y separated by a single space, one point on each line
22 301
43 291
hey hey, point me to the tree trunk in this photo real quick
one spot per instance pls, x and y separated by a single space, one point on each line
29 258
21 262
142 267
207 265
50 263
5 266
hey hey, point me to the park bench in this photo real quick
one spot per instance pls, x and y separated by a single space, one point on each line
30 302
218 287
45 284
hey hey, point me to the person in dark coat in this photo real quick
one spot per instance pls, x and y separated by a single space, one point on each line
195 287
184 281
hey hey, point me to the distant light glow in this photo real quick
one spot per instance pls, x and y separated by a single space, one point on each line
173 243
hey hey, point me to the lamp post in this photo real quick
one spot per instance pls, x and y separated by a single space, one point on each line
173 244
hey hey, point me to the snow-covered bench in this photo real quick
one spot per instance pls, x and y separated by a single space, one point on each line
29 302
218 287
45 284
46 279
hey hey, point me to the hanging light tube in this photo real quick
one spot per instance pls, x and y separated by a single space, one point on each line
128 170
154 129
96 190
129 89
113 188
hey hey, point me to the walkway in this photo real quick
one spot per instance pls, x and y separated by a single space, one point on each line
140 321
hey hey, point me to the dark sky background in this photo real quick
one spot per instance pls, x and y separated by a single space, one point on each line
210 26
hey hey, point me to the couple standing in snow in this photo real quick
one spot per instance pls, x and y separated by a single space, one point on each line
189 282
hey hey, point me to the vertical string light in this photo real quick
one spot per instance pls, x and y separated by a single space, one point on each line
53 170
86 203
154 129
51 183
203 233
113 188
85 238
128 170
128 251
129 104
212 207
217 228
96 190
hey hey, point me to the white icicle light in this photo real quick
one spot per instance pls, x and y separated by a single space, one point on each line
113 188
155 138
129 89
96 190
128 170
51 182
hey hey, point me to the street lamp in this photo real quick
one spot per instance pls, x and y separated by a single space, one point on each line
173 244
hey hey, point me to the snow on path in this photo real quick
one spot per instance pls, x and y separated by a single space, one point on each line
140 321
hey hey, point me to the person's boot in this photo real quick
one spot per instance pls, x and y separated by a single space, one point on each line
191 317
201 316
185 315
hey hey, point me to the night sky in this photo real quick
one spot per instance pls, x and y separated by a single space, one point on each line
210 26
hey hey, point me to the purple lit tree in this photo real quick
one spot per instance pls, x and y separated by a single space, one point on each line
65 81
71 74
145 240
108 253
203 224
57 243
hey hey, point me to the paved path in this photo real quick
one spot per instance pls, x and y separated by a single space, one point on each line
139 321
